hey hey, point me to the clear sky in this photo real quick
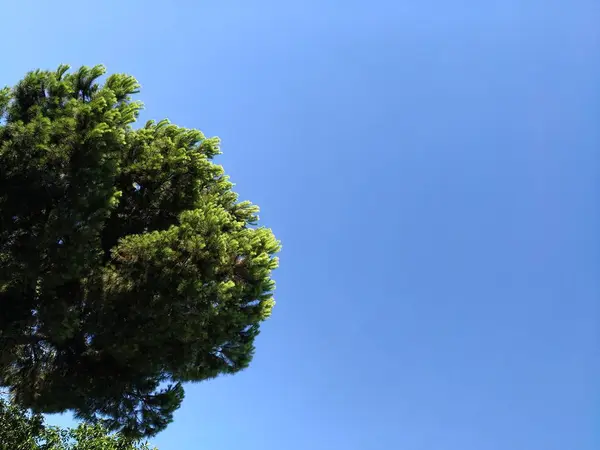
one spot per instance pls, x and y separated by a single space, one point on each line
432 168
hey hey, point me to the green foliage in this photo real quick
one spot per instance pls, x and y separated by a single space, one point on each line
20 430
86 437
127 264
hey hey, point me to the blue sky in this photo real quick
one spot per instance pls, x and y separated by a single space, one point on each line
432 169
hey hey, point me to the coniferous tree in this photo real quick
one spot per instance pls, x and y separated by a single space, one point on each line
127 264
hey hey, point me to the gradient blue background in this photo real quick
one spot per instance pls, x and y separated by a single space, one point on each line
432 168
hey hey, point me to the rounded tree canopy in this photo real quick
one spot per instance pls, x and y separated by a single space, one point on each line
127 264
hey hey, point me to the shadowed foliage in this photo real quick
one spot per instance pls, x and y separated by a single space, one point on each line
127 264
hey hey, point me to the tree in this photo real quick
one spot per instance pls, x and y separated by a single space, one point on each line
20 430
127 264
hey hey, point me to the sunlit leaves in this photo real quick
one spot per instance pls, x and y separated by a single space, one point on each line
127 263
